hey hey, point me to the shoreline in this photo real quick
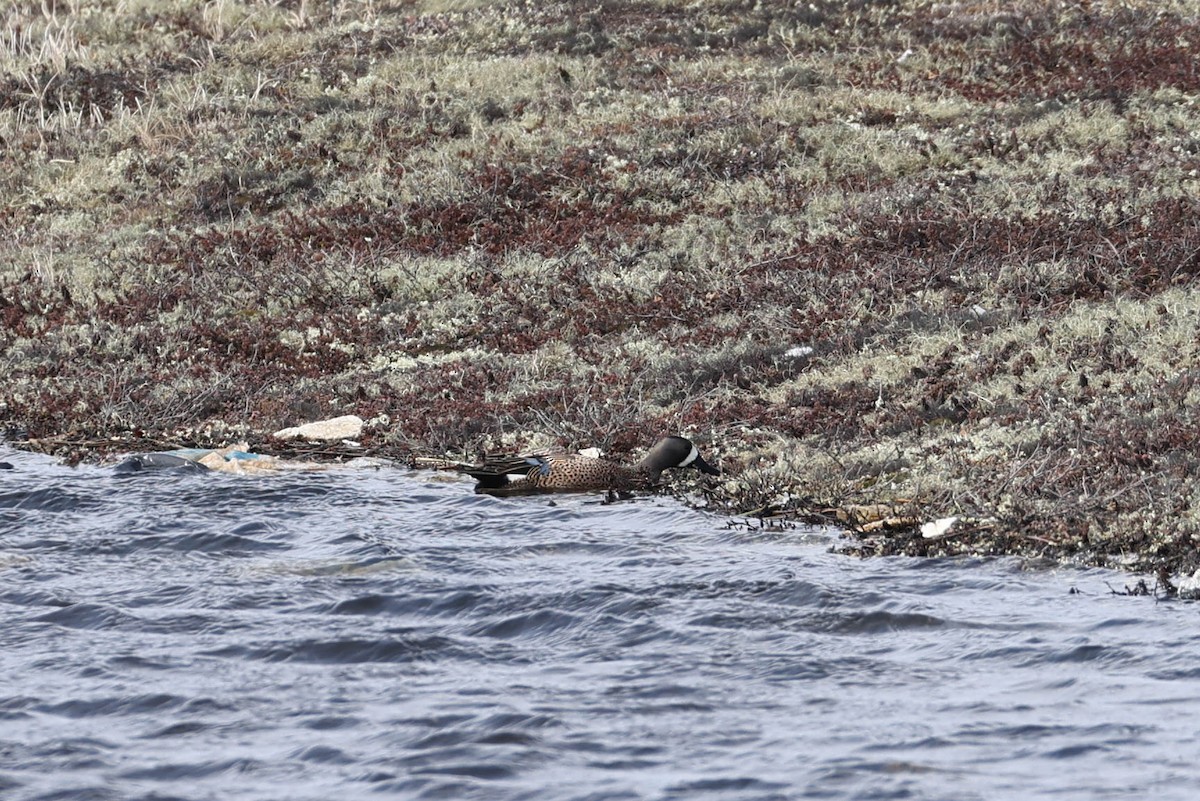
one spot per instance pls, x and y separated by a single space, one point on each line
868 527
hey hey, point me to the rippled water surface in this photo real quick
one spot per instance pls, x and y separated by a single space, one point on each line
359 633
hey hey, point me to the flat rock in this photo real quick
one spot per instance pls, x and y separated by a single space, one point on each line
346 427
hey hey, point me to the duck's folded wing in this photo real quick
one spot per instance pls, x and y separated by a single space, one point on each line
495 465
510 465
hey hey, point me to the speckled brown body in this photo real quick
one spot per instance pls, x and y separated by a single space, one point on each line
575 473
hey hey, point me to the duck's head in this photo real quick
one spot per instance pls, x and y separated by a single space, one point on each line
676 452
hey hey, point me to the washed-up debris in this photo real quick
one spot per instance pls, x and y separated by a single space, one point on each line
868 518
947 526
936 529
141 462
233 459
1187 587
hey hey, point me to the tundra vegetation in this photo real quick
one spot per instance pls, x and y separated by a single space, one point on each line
887 261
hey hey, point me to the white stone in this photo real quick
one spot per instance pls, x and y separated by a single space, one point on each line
346 427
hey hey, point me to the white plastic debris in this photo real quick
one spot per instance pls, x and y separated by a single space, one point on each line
938 528
1188 587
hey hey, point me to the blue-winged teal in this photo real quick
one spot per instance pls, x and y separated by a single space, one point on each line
573 472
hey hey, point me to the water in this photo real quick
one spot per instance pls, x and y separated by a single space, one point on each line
364 633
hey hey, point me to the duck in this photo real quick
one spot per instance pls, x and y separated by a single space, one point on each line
545 472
